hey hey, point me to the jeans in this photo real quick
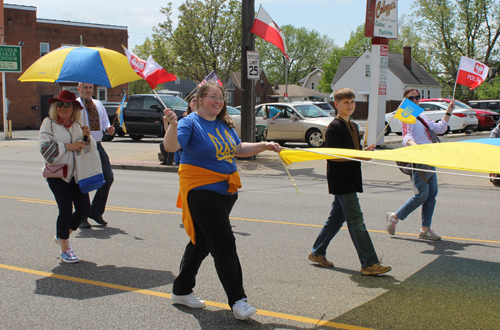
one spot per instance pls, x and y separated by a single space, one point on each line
210 212
346 208
101 195
425 195
67 195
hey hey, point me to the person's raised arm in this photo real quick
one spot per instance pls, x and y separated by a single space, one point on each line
170 142
247 149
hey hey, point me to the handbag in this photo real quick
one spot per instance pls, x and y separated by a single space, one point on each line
89 169
434 139
59 171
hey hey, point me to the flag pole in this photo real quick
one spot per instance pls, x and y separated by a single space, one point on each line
383 131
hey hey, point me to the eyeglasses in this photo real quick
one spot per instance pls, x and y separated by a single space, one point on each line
60 104
215 98
412 98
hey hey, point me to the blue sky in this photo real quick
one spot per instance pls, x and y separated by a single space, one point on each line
335 18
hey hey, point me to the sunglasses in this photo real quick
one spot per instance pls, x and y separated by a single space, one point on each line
413 98
60 104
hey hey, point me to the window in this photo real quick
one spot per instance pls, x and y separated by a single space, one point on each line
257 99
178 81
429 94
44 48
228 97
367 70
102 94
312 85
148 102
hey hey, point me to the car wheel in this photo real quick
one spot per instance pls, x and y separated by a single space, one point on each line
315 138
136 137
494 180
388 129
399 133
107 137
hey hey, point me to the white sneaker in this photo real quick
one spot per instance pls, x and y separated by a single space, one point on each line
242 310
189 300
390 223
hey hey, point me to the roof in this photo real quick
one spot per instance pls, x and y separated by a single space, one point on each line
296 90
416 76
344 65
303 81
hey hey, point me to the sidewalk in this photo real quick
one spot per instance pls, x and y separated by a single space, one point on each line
126 154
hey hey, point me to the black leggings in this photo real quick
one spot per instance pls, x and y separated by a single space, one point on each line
67 195
210 212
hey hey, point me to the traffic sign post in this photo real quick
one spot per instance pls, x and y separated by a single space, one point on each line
253 62
10 61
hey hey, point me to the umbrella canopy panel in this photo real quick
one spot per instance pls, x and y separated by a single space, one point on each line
92 65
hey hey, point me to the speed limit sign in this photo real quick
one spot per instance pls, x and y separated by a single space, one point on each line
253 59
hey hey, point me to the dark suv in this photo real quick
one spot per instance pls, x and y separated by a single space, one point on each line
143 115
111 108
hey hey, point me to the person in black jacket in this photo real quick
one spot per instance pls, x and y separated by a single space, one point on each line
345 181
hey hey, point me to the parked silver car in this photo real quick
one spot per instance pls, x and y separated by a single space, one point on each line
297 122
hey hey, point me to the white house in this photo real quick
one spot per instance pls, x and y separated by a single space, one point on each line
403 73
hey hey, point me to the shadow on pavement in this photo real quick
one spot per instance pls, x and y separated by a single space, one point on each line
444 247
101 232
126 276
449 293
224 320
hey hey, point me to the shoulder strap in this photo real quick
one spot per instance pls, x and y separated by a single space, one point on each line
423 123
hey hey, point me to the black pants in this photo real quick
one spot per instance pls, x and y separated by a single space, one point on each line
67 195
210 212
168 157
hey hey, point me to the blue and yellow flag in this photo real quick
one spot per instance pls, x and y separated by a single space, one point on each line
119 114
408 112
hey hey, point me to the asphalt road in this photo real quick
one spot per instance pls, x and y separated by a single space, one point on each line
126 271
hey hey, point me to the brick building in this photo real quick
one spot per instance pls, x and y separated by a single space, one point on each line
28 100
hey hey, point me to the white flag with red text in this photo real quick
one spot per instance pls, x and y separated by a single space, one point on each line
149 70
264 27
471 73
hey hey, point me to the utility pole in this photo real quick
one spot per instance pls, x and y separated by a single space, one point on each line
247 86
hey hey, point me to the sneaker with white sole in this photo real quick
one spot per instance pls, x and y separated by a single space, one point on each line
69 257
242 310
189 300
390 223
429 234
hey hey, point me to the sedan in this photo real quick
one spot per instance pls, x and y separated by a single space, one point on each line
462 119
297 122
487 119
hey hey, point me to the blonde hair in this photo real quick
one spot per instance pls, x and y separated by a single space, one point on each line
202 93
76 116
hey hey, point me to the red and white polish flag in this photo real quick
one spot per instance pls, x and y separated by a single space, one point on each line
471 73
149 70
264 27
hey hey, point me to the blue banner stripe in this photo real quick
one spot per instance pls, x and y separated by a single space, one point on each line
493 142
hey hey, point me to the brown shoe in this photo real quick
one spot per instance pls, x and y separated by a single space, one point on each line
321 260
375 269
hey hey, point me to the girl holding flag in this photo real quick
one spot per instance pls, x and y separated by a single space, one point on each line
424 183
208 186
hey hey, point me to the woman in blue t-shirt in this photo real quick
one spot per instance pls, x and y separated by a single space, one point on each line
208 186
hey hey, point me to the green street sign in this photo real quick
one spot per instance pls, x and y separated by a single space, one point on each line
10 58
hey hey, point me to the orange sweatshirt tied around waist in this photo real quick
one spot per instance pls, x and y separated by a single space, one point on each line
190 177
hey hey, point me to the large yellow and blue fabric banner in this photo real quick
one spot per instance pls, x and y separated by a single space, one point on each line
408 112
481 155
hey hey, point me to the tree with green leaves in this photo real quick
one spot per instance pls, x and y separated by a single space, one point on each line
207 38
355 46
306 49
452 28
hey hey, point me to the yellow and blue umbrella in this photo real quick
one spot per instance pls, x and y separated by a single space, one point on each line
91 65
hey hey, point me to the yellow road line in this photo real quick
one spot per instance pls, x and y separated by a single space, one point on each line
283 316
146 211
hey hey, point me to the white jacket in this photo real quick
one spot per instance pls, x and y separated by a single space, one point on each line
52 140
